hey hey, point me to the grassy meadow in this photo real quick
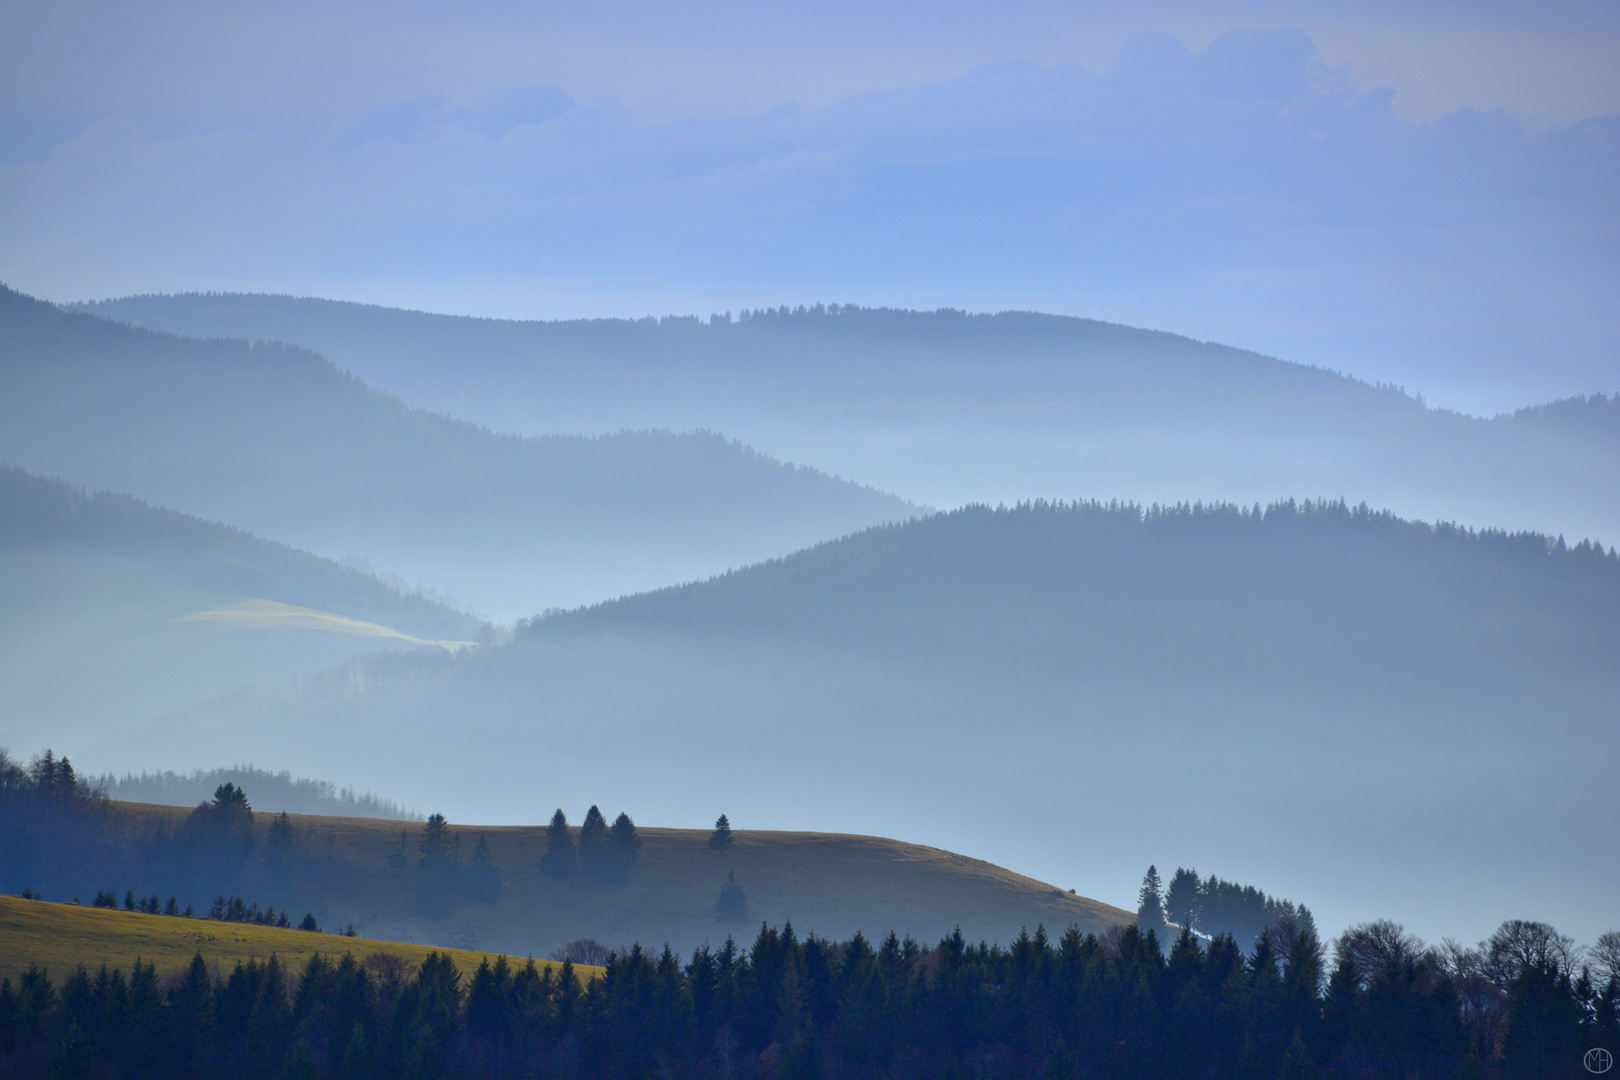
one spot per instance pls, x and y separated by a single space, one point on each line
59 937
827 883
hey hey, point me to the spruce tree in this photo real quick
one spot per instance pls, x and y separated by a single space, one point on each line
626 844
1150 903
1181 900
593 841
280 839
230 801
720 839
436 843
559 857
401 855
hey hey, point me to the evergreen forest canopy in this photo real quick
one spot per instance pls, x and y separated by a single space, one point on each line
790 1007
1101 678
1134 1001
945 407
274 439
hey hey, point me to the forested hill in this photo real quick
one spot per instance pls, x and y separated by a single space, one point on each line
945 407
274 439
1039 580
38 515
1063 688
94 594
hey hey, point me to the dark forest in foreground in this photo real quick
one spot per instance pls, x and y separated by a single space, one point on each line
1080 1007
1528 1002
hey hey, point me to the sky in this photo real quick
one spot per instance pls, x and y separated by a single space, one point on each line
1419 194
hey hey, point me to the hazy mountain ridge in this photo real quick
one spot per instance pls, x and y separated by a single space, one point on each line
1597 413
946 407
1071 667
872 569
276 440
96 591
43 514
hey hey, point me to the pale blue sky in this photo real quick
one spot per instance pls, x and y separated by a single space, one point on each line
1309 187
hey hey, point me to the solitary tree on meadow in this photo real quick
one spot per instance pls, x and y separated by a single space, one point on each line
437 845
720 839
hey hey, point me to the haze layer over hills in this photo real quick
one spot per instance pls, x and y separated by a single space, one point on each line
276 440
1336 703
95 594
945 408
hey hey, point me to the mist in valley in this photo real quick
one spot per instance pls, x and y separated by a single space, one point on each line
978 482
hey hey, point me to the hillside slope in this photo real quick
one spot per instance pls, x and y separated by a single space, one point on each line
1057 687
98 594
276 440
827 883
947 408
59 937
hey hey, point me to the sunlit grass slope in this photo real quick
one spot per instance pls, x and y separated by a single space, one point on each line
273 615
832 884
59 937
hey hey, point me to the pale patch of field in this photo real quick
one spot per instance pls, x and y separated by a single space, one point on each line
269 614
60 937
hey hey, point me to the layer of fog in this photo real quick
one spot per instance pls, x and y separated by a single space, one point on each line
1378 728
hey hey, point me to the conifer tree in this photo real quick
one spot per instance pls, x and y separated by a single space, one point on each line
1181 900
1150 903
230 801
436 842
720 839
559 857
593 841
626 844
279 840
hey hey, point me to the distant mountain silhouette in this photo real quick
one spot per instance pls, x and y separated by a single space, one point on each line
946 408
38 515
1320 696
276 440
94 584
